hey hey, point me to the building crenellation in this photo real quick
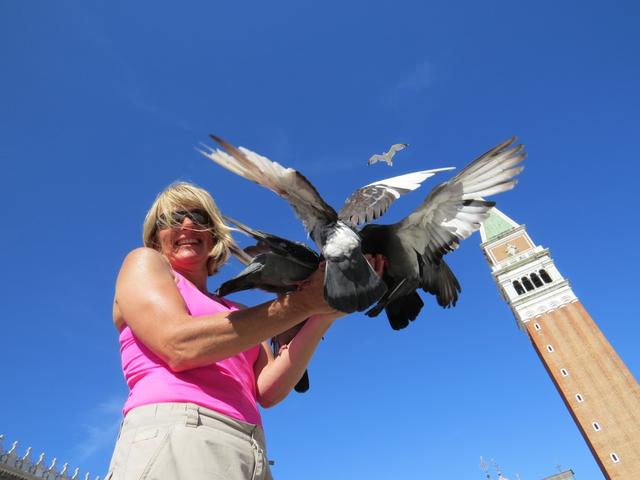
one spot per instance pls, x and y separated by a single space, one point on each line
16 466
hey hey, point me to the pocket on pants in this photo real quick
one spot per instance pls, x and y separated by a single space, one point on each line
146 446
120 454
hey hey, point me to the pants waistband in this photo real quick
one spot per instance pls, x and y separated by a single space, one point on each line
192 415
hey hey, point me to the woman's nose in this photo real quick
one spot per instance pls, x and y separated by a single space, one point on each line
186 221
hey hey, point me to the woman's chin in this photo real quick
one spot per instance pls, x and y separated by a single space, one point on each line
190 258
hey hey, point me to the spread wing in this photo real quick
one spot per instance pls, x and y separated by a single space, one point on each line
388 155
454 209
243 256
376 158
396 147
285 182
296 252
372 201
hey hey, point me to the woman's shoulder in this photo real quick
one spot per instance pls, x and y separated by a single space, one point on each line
145 256
144 253
141 266
144 261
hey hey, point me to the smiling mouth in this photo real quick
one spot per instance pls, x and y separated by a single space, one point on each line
181 243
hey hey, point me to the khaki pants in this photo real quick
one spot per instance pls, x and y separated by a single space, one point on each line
167 441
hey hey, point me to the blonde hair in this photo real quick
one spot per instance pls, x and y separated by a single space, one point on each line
187 196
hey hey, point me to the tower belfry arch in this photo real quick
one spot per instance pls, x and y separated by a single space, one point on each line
597 388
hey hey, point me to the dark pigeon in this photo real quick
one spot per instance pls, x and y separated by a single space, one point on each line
279 265
415 246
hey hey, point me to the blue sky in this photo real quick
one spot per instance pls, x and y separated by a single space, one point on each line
102 104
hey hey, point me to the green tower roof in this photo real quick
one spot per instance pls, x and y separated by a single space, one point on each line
495 225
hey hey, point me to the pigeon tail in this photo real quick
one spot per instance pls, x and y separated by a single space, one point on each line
386 298
303 384
440 281
396 296
351 284
404 310
377 308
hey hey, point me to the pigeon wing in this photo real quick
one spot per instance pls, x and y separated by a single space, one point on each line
455 209
242 255
285 182
268 242
372 201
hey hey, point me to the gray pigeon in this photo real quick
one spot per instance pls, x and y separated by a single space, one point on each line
278 266
350 283
388 156
415 246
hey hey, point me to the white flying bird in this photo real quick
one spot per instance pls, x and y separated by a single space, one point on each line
388 156
350 283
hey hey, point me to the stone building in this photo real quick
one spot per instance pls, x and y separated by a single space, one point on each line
599 391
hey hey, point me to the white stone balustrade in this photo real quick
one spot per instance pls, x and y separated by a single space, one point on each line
13 466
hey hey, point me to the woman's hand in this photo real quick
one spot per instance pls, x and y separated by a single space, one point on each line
311 290
275 377
310 293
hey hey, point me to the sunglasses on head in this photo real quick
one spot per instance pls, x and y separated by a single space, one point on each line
197 216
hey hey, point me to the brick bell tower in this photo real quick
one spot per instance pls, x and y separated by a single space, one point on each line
599 391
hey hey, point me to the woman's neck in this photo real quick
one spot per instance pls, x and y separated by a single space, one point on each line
197 277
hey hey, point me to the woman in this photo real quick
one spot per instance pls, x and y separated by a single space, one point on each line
197 365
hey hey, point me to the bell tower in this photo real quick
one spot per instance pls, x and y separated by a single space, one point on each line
599 391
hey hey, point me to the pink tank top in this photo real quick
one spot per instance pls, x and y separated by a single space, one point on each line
227 386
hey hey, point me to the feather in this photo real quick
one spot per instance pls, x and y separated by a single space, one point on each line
450 213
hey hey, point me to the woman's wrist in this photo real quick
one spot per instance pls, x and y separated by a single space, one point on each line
326 319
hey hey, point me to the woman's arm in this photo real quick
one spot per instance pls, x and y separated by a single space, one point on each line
151 305
276 377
